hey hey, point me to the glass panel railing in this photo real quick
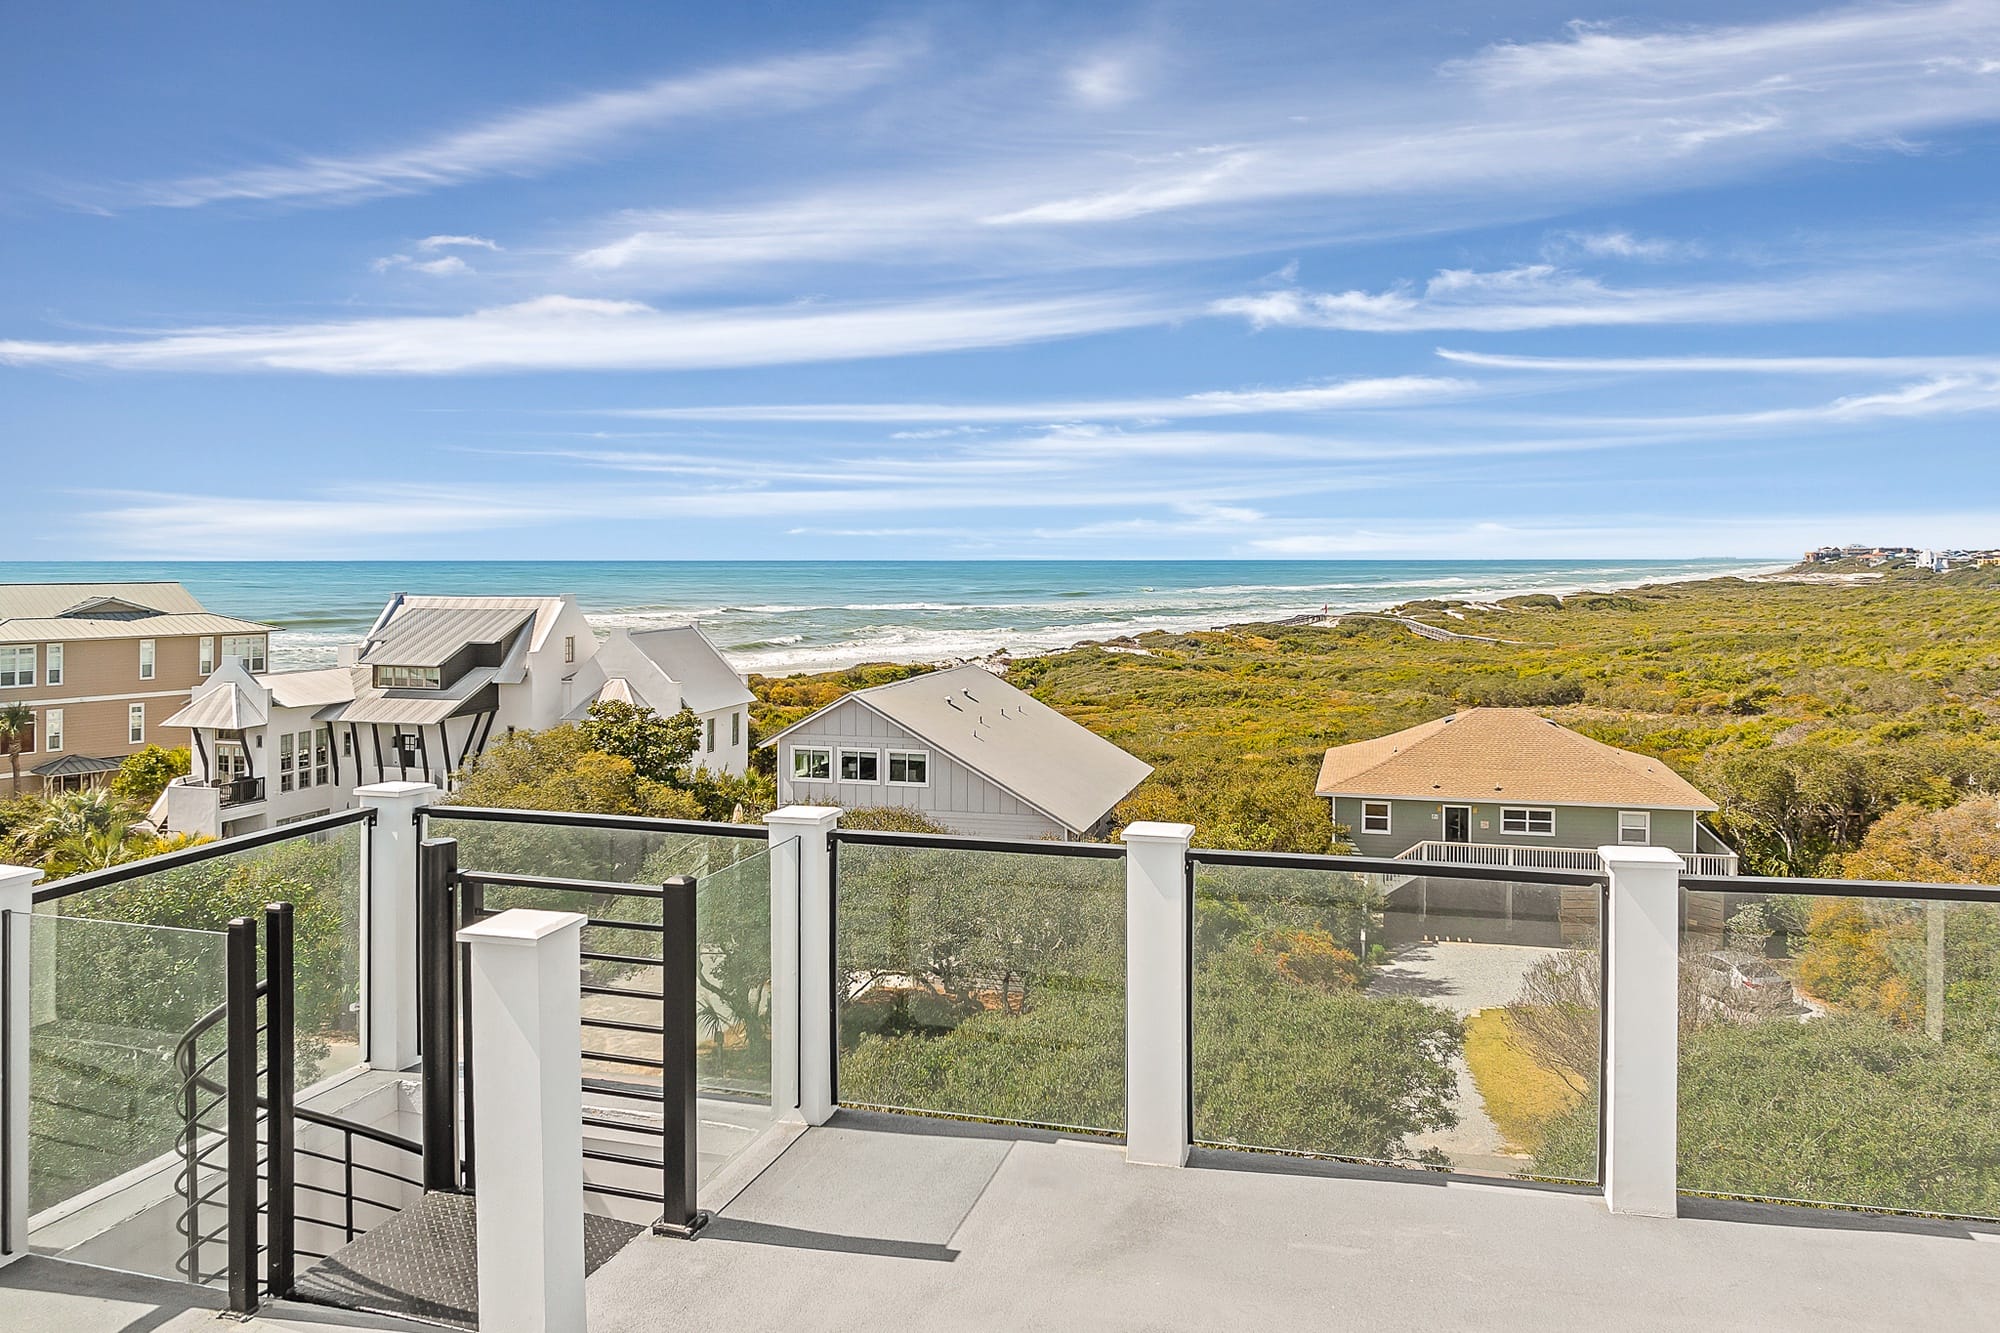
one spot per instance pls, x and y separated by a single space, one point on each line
1842 1049
1414 1020
618 854
320 874
988 984
108 1163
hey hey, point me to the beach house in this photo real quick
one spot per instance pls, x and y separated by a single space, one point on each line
962 747
1506 787
433 682
99 667
668 669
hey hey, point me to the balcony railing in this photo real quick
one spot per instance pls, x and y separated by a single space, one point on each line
1509 856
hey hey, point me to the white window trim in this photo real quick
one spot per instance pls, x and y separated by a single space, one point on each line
49 733
14 650
207 662
708 735
1525 811
149 658
135 720
889 755
880 767
736 729
1388 817
52 664
1645 826
798 750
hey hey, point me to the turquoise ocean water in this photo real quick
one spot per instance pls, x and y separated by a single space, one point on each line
781 616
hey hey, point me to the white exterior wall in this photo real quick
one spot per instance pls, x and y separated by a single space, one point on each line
733 760
956 796
540 701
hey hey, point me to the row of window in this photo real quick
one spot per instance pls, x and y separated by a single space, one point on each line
735 733
903 768
18 660
409 678
305 759
48 732
1635 827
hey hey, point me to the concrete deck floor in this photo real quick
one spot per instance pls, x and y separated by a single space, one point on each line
878 1221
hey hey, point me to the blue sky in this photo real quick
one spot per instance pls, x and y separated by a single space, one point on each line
758 280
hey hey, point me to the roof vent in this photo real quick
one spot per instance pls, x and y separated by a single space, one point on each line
953 703
970 695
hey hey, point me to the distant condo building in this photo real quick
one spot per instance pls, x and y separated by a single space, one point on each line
100 669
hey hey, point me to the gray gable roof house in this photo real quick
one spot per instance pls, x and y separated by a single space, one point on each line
664 670
963 747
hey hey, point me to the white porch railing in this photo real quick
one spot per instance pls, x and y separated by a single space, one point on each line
1509 856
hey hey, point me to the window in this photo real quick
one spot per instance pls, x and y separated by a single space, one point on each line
135 724
909 768
17 665
322 755
410 747
285 775
245 648
52 730
207 655
409 678
710 729
1635 827
1374 816
146 659
1537 823
735 730
813 765
347 745
860 766
569 647
55 664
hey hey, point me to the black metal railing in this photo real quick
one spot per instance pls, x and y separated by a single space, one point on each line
585 820
245 1165
451 899
354 1175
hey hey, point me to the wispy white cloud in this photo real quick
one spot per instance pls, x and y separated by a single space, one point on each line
1730 365
540 137
571 333
1388 391
1544 296
1619 244
1514 131
441 266
447 242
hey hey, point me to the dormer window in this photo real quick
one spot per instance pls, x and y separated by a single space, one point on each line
409 678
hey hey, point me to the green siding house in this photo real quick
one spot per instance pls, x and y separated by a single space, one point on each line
1507 787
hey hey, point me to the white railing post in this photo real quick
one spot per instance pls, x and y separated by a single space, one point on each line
1157 926
389 921
528 1120
1642 1031
17 906
802 977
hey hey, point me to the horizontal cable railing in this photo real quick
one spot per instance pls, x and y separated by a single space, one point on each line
207 851
1375 865
584 819
952 842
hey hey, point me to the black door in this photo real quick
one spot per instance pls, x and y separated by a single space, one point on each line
1458 823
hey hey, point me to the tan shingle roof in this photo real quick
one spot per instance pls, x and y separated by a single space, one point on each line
1508 754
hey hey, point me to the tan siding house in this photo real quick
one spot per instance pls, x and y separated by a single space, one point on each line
102 666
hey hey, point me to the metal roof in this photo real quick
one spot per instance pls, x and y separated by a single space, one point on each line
57 629
76 766
310 689
220 707
43 601
412 707
427 636
695 664
1009 737
1510 754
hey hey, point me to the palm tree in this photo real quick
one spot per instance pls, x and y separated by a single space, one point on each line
17 722
93 816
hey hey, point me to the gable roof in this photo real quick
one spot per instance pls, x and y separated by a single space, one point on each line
1008 737
1509 754
428 636
692 661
